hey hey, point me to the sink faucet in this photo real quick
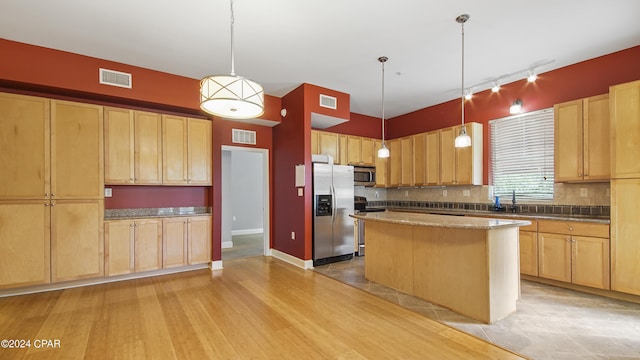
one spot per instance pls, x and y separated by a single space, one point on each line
513 202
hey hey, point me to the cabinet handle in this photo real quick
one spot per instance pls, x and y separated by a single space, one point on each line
570 228
46 194
46 204
53 204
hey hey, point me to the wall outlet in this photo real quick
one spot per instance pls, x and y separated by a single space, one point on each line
584 192
466 193
108 192
444 193
293 235
406 193
376 194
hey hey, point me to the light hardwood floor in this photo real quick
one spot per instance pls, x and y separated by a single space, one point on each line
256 307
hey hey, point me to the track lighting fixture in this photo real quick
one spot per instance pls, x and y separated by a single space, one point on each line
532 76
495 87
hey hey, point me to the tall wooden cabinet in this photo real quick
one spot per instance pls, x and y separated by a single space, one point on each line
133 147
51 190
581 132
625 187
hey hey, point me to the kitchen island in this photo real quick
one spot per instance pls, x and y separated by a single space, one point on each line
469 265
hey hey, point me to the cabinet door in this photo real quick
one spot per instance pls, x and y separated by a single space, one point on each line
597 163
590 261
419 143
368 154
466 164
343 150
381 166
24 243
328 144
406 161
568 141
394 162
529 253
447 156
118 146
174 242
625 233
77 158
554 255
315 149
148 148
148 245
354 150
625 130
199 152
77 239
199 240
174 150
24 147
433 158
118 247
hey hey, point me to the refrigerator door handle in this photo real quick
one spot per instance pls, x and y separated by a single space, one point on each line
333 204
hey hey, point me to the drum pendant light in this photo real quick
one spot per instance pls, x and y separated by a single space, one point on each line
463 139
231 96
383 152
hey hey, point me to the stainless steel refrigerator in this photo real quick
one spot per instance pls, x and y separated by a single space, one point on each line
332 204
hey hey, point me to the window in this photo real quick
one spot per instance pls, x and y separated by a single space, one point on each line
522 156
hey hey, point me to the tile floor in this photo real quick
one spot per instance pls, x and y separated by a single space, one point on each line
551 323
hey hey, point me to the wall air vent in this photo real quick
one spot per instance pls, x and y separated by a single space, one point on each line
327 101
115 78
243 136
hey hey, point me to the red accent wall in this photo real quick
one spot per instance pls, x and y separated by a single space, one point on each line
135 196
584 79
312 101
361 125
291 147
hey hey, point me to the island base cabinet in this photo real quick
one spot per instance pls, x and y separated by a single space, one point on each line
24 244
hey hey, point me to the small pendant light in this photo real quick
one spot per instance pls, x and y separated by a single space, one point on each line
383 152
463 139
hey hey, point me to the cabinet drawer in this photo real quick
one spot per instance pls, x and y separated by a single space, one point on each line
574 228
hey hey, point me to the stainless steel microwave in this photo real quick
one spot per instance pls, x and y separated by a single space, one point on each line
364 175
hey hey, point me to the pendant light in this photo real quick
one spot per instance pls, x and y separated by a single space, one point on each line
231 96
463 139
383 152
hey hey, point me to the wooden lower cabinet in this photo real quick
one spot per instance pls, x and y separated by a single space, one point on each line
574 252
625 236
199 240
174 242
24 243
529 253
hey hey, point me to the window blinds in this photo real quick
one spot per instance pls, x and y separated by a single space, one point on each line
522 156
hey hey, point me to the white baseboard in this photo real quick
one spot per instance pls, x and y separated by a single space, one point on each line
216 265
304 264
247 231
227 244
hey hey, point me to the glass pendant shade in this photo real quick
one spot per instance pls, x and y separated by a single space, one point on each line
383 152
232 97
463 139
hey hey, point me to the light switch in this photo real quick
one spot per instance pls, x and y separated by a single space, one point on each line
300 191
108 192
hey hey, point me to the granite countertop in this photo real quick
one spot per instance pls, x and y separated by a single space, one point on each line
502 214
460 222
145 213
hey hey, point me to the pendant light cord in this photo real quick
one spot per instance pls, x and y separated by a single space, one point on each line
383 61
462 86
233 70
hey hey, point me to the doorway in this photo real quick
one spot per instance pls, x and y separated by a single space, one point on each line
245 202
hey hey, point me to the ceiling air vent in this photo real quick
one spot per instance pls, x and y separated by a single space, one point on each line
328 101
244 137
115 78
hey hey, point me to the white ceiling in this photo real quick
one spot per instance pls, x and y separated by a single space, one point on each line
334 43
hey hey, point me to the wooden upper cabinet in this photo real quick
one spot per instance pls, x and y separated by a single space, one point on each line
447 156
315 142
406 161
394 162
24 147
343 150
432 157
461 166
581 140
199 152
174 150
368 152
77 158
419 161
354 150
148 148
381 166
118 146
625 130
328 144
